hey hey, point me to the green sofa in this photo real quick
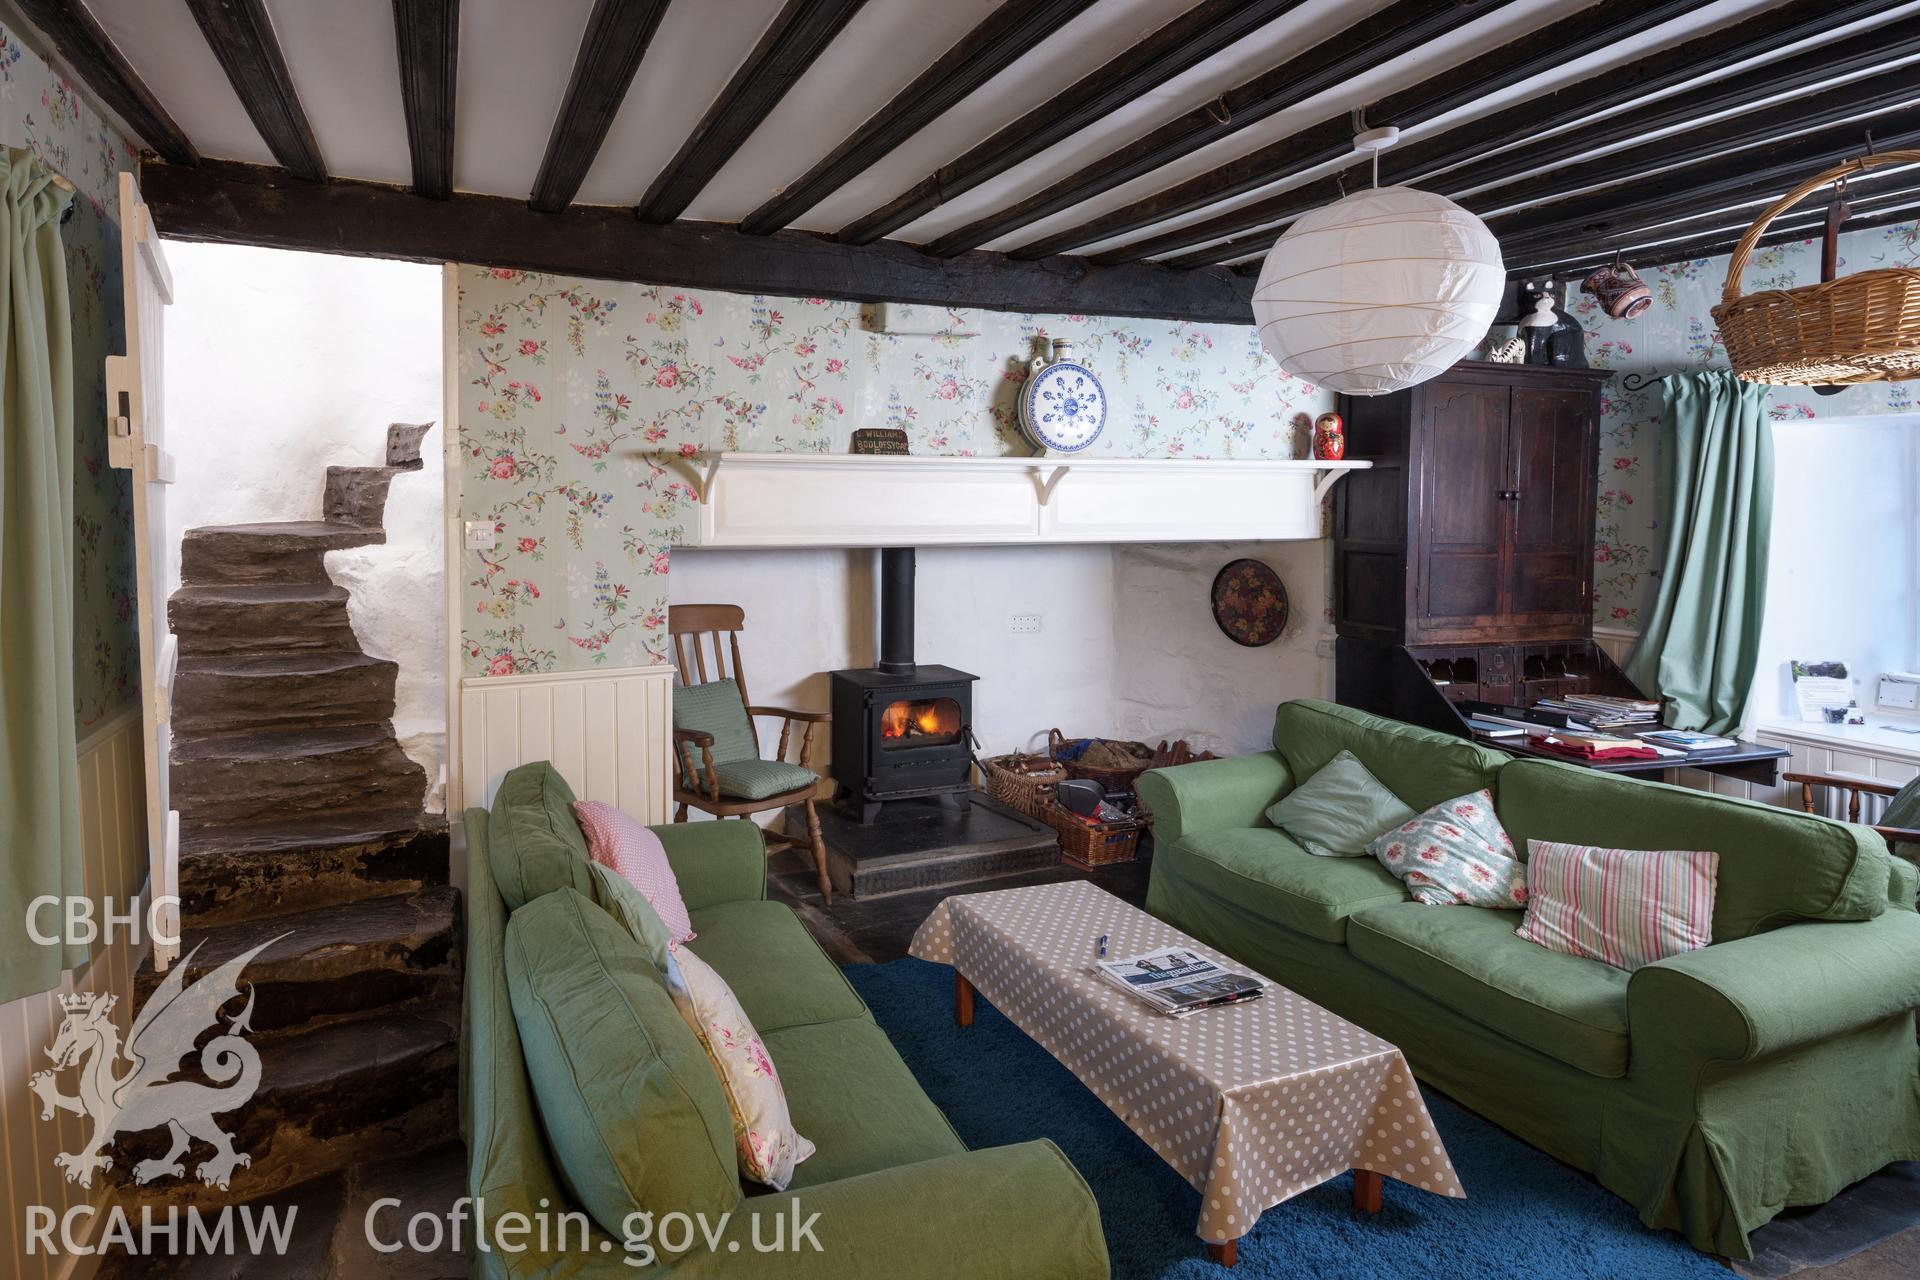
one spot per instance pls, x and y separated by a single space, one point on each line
1711 1090
897 1194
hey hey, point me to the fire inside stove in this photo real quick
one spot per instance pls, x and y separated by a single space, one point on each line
929 722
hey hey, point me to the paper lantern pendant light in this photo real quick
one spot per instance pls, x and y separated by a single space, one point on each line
1379 291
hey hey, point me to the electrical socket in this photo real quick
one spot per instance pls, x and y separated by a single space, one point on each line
1026 624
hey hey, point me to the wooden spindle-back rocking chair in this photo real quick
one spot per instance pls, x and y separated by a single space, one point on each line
1903 841
703 782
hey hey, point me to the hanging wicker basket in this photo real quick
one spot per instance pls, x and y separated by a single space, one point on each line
1859 328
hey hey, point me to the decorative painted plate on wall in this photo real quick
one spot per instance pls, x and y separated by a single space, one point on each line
1063 407
1250 603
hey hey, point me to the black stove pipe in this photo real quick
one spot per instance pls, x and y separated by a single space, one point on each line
896 610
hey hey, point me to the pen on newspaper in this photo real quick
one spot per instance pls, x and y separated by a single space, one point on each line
1100 948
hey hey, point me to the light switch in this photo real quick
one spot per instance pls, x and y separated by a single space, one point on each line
482 535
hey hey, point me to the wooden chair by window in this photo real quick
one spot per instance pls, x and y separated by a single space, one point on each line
1902 808
715 744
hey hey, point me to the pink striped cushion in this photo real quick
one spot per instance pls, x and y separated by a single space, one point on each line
636 855
1623 907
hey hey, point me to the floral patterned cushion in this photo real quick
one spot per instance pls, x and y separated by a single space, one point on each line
1455 852
617 841
1623 907
763 1134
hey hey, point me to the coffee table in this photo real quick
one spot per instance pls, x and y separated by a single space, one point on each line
1252 1103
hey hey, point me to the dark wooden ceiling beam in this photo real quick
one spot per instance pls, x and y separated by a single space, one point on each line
1695 188
1866 193
80 40
227 203
1714 245
1188 40
1368 43
1463 163
427 34
617 35
799 34
1671 179
1572 37
1670 162
240 33
1007 33
1806 76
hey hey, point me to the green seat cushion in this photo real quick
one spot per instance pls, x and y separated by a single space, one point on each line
1340 810
1265 872
633 1111
1777 866
779 973
1468 959
856 1101
716 708
627 905
762 779
534 845
1418 765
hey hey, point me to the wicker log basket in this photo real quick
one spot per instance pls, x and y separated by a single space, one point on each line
1859 328
1026 783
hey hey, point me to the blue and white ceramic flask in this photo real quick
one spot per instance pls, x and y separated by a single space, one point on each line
1063 407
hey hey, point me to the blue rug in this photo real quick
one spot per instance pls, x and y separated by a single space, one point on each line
1526 1216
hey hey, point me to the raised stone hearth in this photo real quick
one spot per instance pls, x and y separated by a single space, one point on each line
922 844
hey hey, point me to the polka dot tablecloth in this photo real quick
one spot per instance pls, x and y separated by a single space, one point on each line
1250 1103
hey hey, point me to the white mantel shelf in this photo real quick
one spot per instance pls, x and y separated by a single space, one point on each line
764 500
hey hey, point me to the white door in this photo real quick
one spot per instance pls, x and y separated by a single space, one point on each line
135 443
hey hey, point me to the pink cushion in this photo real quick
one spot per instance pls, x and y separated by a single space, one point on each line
636 855
1623 907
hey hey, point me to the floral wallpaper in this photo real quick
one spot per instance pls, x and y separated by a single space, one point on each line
43 113
586 401
583 402
1675 335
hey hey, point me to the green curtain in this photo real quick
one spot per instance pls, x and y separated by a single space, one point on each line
39 783
1702 638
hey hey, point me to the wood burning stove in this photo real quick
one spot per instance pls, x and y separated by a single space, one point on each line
901 729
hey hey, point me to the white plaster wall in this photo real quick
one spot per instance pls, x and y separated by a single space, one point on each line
280 364
1175 673
1127 646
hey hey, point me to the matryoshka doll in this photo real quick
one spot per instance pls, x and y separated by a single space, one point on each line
1329 438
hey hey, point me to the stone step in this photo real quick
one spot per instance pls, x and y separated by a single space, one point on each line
222 693
327 1098
275 776
233 873
333 961
274 552
403 444
328 1237
356 495
261 618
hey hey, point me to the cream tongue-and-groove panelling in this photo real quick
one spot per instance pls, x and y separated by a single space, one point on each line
113 837
608 732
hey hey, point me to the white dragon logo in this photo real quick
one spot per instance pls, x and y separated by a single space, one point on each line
143 1097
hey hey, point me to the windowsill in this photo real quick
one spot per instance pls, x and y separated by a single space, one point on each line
1873 738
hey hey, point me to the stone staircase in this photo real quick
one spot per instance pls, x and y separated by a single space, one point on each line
301 816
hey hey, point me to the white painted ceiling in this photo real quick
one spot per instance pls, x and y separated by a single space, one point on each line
515 58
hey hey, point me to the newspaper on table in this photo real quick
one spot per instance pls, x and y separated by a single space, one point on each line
1178 981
